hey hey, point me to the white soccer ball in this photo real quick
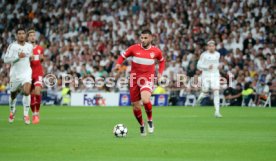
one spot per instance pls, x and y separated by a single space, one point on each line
120 130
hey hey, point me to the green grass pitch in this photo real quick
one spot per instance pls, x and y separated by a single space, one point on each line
181 133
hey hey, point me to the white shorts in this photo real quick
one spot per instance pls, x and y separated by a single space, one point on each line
18 83
208 83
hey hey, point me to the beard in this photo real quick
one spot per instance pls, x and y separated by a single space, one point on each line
145 45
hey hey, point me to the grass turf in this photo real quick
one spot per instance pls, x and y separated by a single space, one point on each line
181 133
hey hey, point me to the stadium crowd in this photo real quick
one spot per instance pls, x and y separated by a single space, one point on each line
84 38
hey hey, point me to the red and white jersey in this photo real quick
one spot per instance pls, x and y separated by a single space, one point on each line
143 60
36 64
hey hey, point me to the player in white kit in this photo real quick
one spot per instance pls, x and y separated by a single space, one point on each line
18 55
209 65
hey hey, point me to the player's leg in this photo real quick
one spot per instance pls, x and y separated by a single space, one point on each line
215 85
33 100
14 86
137 111
145 96
26 100
135 98
36 98
205 85
12 104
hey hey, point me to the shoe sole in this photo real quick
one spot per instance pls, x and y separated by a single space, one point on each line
10 121
36 122
150 130
27 122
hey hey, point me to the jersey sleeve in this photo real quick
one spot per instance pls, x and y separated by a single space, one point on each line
127 53
41 50
200 63
11 55
216 65
161 60
30 50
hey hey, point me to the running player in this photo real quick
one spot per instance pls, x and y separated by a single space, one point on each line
209 65
37 76
142 76
18 55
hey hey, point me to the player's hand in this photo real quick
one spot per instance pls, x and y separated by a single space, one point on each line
32 57
210 67
117 67
41 57
159 77
22 55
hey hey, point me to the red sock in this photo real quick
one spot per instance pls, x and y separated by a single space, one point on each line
148 108
38 101
138 115
33 102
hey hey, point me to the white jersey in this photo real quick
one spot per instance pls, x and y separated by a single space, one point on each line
206 59
20 67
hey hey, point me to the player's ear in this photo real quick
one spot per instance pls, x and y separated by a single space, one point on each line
150 38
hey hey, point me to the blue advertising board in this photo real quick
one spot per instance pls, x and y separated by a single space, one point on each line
4 99
157 100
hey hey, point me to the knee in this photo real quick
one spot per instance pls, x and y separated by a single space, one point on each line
27 90
136 106
37 92
205 91
26 93
216 92
145 100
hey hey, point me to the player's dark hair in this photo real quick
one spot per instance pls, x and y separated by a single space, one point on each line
146 31
20 28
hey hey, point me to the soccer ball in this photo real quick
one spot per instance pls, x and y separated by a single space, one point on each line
120 130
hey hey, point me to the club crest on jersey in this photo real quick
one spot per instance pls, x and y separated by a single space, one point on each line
152 55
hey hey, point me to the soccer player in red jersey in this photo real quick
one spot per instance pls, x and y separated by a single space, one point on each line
142 76
37 76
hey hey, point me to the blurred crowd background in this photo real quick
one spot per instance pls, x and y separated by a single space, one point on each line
84 39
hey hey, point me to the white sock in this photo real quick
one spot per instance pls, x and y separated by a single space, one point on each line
200 97
12 104
26 100
216 100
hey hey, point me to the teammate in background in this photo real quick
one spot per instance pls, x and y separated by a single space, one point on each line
209 65
18 55
37 76
142 76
